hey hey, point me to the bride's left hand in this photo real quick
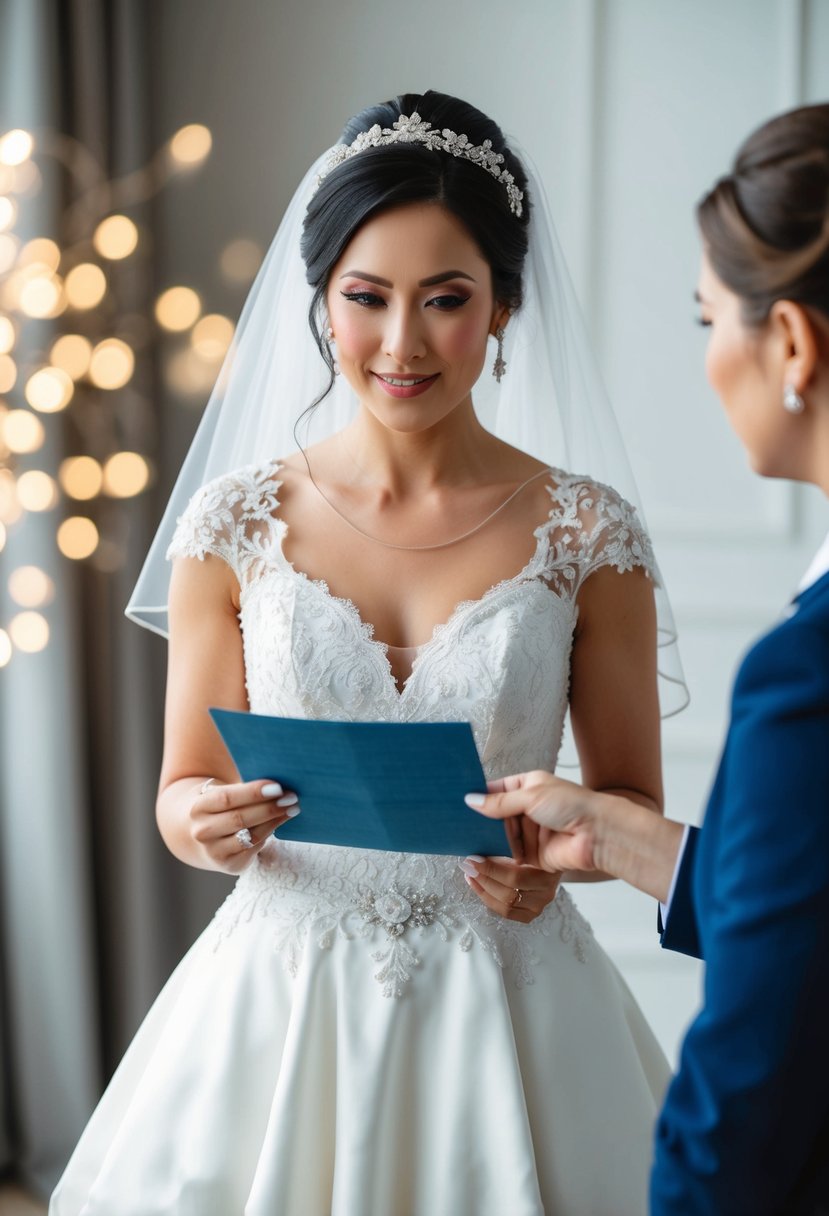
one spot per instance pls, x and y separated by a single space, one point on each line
510 889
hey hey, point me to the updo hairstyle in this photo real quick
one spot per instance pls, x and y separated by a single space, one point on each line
765 225
396 174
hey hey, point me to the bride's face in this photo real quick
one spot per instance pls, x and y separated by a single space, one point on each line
411 304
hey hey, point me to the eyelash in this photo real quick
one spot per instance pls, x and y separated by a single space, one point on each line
701 321
368 299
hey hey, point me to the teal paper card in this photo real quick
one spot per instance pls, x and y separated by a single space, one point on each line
369 785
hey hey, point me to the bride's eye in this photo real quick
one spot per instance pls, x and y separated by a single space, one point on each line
703 321
368 299
448 303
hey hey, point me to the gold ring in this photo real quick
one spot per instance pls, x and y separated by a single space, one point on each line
519 895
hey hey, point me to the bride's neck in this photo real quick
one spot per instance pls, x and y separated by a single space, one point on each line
456 450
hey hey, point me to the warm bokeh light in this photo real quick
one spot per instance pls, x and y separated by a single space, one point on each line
125 474
71 353
8 212
189 375
85 285
240 260
7 335
41 296
10 508
212 336
81 477
22 431
29 632
31 587
8 251
112 364
40 252
115 237
177 308
8 373
5 648
49 390
191 144
36 491
27 179
77 537
15 147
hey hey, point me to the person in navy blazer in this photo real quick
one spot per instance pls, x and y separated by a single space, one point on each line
745 1126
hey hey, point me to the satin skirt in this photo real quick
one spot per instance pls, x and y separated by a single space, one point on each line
277 1077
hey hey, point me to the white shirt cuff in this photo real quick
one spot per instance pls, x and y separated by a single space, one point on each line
666 907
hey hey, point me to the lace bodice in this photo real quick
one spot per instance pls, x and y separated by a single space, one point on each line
500 662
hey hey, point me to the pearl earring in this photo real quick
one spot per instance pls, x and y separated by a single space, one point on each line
499 367
792 400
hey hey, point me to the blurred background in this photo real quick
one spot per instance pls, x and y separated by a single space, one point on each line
147 150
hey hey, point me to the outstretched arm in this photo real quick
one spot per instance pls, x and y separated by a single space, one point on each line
586 831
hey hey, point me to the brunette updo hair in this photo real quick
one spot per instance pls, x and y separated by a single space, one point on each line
395 174
765 225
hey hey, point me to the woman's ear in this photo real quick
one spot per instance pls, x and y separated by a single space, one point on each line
794 329
500 317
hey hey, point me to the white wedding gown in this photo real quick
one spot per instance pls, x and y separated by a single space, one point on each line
355 1034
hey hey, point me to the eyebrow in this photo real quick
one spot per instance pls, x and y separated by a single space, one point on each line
432 281
698 298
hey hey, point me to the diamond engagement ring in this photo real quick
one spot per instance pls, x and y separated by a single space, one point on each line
245 839
519 895
205 785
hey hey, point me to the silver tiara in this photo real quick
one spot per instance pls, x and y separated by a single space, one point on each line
413 130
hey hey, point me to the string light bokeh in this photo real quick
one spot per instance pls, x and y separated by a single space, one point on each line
72 349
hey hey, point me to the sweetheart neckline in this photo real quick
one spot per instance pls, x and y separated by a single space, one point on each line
366 629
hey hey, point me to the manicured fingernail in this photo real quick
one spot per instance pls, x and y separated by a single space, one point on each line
476 801
271 790
467 879
287 800
292 812
468 867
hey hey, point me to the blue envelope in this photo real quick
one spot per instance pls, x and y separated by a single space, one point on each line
369 785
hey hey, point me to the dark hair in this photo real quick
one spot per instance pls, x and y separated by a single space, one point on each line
396 174
766 224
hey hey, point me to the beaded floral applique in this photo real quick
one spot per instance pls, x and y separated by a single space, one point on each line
303 904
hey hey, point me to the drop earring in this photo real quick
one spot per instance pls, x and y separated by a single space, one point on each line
792 400
499 367
329 337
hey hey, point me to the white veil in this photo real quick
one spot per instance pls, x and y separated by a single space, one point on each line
551 402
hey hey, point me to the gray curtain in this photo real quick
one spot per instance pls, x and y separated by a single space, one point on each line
93 912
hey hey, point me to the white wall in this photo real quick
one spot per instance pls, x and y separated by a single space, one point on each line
631 109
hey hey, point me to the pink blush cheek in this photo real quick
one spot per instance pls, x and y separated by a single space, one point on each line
465 340
353 340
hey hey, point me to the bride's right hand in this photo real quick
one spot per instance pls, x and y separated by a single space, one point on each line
231 824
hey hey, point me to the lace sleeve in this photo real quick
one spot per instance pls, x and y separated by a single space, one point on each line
230 518
590 526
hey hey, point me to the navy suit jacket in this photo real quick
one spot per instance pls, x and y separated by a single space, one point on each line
745 1126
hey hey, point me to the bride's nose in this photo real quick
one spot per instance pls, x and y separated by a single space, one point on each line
404 339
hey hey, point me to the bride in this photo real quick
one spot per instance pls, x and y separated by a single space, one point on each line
324 1048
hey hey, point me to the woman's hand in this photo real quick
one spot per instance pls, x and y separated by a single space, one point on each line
566 827
230 824
510 889
551 822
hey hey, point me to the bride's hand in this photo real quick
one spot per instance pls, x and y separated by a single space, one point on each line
231 824
509 888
